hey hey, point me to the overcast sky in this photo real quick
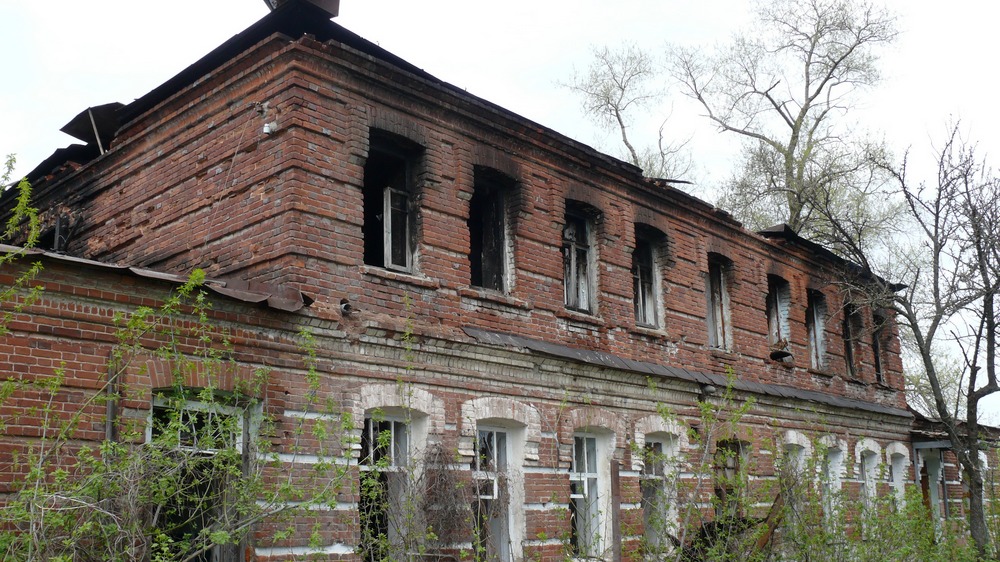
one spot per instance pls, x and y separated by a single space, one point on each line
61 56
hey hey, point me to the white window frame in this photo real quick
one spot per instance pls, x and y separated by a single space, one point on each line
400 453
590 484
657 480
498 545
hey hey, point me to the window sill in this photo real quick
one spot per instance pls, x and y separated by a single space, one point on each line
826 376
779 363
857 382
400 277
478 293
725 354
577 316
648 331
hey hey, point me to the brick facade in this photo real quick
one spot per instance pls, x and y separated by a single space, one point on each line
192 181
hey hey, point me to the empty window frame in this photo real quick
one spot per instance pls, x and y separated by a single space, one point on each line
730 477
585 509
208 450
879 331
579 262
656 481
389 210
646 281
385 449
489 228
719 328
778 302
852 328
491 509
815 327
867 477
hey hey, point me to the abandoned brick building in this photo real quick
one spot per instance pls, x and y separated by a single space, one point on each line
486 285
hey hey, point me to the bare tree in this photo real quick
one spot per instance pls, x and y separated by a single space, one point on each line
949 269
782 89
617 84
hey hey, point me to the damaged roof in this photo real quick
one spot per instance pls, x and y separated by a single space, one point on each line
271 297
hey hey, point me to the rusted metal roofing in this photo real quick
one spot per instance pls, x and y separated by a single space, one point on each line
612 361
287 300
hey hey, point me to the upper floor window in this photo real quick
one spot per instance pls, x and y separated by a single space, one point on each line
646 276
489 226
389 202
719 322
579 261
779 296
491 509
815 326
385 451
879 322
853 327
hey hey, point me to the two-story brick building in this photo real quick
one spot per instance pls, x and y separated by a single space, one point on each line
475 283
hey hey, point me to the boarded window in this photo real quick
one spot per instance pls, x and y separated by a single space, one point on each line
389 222
489 229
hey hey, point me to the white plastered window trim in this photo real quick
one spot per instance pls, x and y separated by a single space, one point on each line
655 425
403 401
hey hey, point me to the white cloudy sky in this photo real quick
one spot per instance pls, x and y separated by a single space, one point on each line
61 56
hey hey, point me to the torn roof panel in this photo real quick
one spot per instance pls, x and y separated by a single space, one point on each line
272 297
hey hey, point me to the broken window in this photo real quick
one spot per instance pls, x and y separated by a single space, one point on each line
719 329
879 321
491 509
730 478
389 216
853 327
646 276
655 481
488 229
585 509
385 446
579 275
815 322
204 446
867 477
779 296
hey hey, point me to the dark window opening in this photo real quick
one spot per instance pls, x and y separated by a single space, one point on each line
488 229
778 303
56 237
578 267
879 331
384 452
719 330
815 326
730 478
645 288
852 329
389 216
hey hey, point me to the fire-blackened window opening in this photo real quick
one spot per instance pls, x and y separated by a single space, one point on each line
389 202
879 331
779 295
815 326
491 508
853 327
489 229
719 323
579 275
646 275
